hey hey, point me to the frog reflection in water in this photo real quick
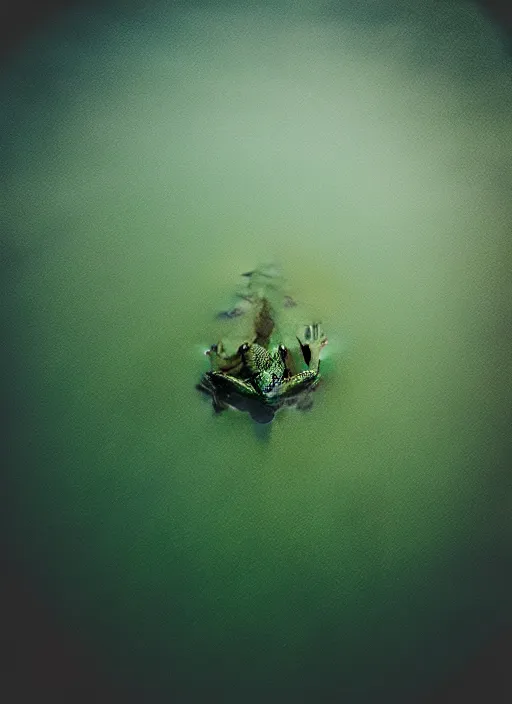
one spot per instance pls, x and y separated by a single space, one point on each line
261 380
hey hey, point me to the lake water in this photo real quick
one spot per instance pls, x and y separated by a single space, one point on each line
361 549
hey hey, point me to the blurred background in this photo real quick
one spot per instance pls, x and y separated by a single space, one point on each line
153 152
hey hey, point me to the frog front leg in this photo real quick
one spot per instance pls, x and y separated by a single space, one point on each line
290 363
222 362
312 342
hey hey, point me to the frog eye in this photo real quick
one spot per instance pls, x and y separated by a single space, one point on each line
283 352
243 348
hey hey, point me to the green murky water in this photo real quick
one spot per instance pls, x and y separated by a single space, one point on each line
361 549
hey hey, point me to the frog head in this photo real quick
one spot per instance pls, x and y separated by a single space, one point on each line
266 369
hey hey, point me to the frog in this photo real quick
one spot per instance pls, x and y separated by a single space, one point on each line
260 378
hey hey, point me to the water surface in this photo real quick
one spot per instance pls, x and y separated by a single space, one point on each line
151 158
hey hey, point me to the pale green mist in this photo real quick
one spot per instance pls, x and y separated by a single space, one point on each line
358 552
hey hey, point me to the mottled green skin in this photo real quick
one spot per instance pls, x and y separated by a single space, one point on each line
267 368
257 380
262 380
268 380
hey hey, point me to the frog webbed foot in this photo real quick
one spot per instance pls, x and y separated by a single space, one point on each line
312 340
220 361
207 387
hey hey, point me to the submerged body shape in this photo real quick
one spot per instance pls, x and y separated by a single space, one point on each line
263 374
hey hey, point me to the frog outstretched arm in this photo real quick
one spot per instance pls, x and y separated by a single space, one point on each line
259 378
312 342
